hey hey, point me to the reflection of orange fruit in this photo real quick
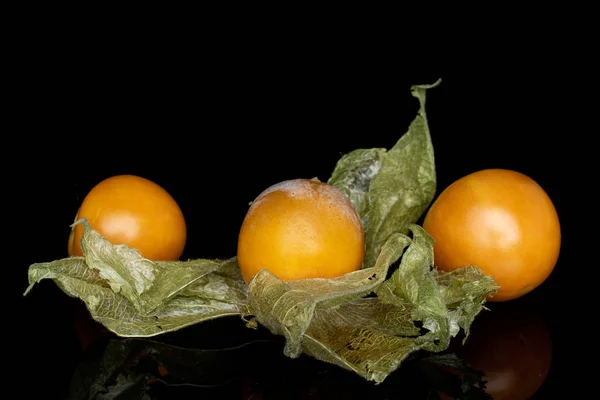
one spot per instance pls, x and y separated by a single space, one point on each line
162 370
132 210
501 221
514 351
88 330
299 229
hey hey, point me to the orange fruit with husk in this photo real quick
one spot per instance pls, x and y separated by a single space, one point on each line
301 229
134 211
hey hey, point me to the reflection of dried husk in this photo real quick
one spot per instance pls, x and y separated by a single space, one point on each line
513 349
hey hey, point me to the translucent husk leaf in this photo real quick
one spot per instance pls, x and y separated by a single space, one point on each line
372 335
367 321
392 189
287 308
174 295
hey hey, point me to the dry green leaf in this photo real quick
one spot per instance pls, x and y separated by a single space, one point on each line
441 303
368 351
353 174
390 190
181 293
146 284
463 291
287 308
372 335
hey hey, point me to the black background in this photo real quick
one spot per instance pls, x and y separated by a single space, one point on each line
216 123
